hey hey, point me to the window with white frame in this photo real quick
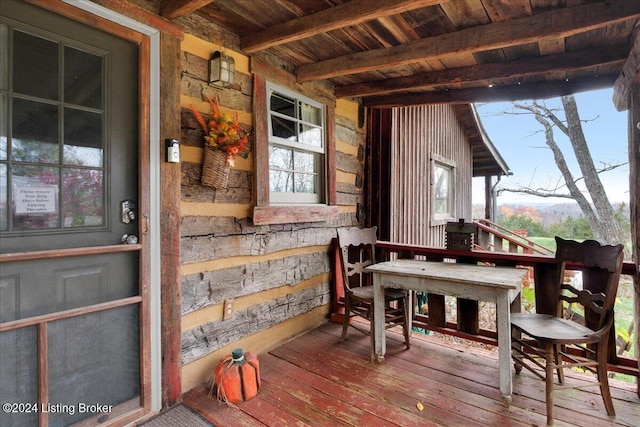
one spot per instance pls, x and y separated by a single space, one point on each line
442 188
297 148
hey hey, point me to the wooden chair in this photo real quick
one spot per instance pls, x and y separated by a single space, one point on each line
561 342
357 251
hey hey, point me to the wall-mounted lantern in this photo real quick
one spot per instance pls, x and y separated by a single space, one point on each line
221 70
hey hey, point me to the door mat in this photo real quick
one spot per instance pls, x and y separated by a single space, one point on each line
181 416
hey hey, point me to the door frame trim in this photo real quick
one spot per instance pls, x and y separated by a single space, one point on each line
153 133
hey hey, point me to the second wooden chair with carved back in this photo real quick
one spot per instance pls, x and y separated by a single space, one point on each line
585 341
357 251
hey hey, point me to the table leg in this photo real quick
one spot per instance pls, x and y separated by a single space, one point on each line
503 311
380 344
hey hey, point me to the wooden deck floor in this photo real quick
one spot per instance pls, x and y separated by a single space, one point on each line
315 380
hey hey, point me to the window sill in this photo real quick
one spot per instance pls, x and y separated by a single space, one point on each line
441 221
291 214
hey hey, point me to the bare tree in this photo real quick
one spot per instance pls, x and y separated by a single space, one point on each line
598 212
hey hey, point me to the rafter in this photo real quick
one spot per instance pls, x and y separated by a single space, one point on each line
560 23
172 9
630 73
538 90
344 15
569 61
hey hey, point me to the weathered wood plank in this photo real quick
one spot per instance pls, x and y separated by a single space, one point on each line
213 287
520 92
455 382
239 187
172 9
169 223
565 61
558 23
197 249
211 336
343 15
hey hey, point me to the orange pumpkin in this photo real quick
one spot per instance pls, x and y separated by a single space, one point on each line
237 378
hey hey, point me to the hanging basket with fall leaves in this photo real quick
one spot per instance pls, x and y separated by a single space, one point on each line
224 139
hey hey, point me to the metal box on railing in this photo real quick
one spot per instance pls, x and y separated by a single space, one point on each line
460 235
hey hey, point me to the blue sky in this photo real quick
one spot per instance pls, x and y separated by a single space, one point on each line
521 142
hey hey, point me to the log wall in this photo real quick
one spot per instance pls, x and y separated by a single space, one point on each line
277 277
417 133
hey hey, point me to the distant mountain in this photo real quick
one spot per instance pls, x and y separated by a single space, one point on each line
549 213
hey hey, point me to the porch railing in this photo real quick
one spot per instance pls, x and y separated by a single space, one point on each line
494 237
543 267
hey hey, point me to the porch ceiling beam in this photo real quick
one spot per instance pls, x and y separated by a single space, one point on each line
172 9
569 61
630 73
521 92
553 24
347 14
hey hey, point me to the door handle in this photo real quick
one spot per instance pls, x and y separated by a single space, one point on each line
145 230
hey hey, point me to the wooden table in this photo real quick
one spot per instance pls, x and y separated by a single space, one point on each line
500 285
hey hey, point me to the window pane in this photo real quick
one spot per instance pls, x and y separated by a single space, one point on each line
281 181
283 105
4 211
82 138
35 66
305 183
310 114
4 104
35 132
280 158
442 178
82 198
82 78
283 128
311 135
4 57
35 197
304 162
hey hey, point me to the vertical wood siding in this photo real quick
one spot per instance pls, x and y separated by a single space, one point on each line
418 132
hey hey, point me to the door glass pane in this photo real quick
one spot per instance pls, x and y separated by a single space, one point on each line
82 78
4 211
4 105
35 197
4 57
19 375
82 197
35 132
82 138
35 66
92 364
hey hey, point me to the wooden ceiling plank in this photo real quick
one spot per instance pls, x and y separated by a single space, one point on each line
482 72
540 90
559 23
172 9
347 14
